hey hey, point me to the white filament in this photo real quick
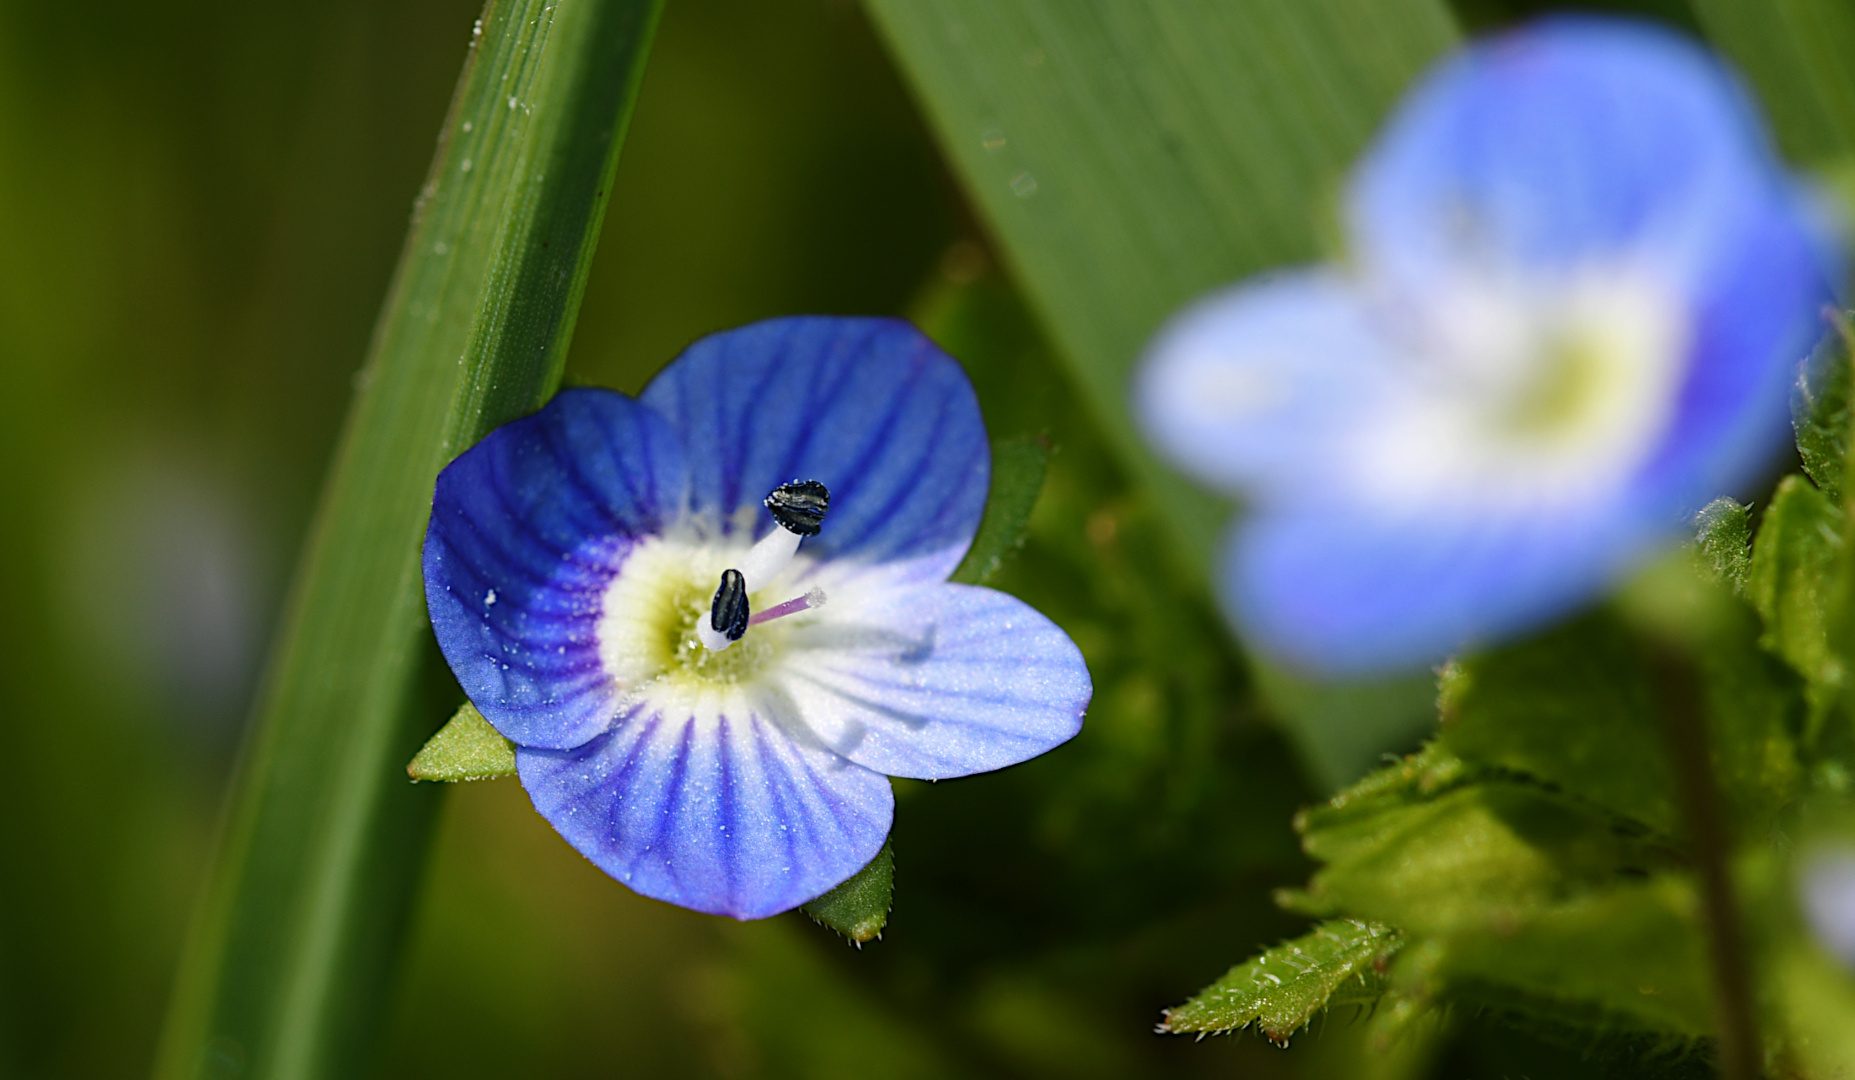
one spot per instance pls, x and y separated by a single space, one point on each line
768 557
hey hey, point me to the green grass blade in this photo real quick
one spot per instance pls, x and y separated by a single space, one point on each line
1797 55
293 950
1129 157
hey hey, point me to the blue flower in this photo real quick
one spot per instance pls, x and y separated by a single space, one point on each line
708 703
1576 290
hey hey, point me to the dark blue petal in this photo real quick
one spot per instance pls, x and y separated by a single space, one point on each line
527 529
1339 591
936 681
728 815
870 407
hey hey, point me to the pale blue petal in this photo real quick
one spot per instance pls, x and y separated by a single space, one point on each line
527 529
1340 592
1253 389
869 407
935 681
728 815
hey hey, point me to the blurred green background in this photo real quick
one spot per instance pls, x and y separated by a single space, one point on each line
199 209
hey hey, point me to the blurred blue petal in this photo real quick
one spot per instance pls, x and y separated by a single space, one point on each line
1344 593
1573 139
1251 388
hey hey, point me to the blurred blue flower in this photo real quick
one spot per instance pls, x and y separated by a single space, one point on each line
1576 291
705 703
1826 891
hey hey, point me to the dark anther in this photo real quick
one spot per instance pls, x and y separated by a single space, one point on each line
729 613
800 506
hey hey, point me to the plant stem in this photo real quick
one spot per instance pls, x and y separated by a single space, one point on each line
1684 726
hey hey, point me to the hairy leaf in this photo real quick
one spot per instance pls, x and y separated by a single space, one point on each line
1723 533
1574 708
289 962
1514 897
1820 412
1472 859
1633 956
859 908
1019 463
1340 962
1792 584
467 748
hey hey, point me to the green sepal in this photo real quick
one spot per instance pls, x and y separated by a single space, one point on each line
466 748
1820 413
1341 962
1019 464
1723 535
859 908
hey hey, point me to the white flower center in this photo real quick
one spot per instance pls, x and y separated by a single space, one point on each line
1529 393
655 606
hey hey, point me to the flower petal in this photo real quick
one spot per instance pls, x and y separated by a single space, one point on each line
1256 389
527 528
870 407
935 681
1754 322
727 814
1337 591
1571 140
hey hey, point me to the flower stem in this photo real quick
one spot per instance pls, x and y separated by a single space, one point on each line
1684 726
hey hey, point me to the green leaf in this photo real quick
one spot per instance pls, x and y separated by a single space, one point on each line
1792 583
1632 956
859 908
1796 53
1019 463
288 965
1130 157
467 748
1475 858
1340 962
1723 533
1820 412
1516 896
1574 708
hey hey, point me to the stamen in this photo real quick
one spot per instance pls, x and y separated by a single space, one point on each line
799 509
728 615
769 557
800 506
813 598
